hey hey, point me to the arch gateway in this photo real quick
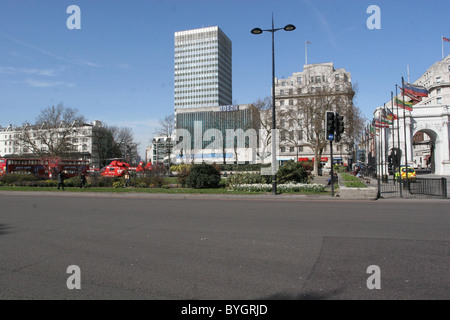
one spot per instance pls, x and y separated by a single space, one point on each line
433 121
426 127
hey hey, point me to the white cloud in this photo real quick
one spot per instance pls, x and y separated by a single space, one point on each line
31 71
46 84
45 52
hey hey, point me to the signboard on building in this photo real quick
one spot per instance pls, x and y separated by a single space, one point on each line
228 108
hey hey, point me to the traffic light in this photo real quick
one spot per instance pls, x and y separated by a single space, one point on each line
330 127
339 126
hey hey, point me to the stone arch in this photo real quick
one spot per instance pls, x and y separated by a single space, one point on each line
426 150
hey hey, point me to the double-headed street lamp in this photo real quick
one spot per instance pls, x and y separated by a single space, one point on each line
289 27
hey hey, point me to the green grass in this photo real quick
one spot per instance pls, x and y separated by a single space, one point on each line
349 177
355 184
351 181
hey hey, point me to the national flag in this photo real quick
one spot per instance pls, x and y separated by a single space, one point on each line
308 42
371 130
386 121
419 91
399 103
445 39
380 124
390 115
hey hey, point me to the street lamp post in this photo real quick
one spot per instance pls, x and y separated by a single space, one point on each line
288 27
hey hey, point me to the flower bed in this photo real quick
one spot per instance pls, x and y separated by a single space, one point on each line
284 187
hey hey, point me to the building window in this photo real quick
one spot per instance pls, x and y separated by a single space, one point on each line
291 102
439 100
283 83
299 79
283 149
281 102
336 77
318 79
438 79
300 149
438 90
292 149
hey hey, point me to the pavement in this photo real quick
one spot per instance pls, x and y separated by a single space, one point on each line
176 249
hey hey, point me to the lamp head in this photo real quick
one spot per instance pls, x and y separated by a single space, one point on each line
256 31
289 27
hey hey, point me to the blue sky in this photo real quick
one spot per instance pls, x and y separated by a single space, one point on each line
118 68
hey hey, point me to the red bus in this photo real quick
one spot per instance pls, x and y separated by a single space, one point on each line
43 168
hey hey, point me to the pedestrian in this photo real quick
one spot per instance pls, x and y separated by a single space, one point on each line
333 179
83 181
61 178
127 179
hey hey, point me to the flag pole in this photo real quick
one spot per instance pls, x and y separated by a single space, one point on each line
393 131
407 67
398 142
442 39
382 146
306 52
404 128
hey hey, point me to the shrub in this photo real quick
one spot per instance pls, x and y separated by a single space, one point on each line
340 169
183 171
203 176
292 171
73 182
118 184
17 179
247 178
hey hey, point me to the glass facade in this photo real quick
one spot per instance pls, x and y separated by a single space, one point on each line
203 65
241 121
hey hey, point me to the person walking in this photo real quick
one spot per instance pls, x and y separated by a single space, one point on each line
83 181
61 178
127 179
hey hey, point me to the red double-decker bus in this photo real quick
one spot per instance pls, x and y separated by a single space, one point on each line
43 168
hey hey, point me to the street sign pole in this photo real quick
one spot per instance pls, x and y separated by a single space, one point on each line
332 173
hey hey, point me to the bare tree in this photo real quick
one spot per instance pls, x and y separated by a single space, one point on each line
292 134
314 105
265 125
51 135
124 144
109 142
166 129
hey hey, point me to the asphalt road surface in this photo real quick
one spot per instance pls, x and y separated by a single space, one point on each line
156 248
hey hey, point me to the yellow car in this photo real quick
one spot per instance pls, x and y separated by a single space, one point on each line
407 173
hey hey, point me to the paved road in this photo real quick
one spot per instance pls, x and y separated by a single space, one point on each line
207 247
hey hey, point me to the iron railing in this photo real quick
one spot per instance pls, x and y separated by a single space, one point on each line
419 187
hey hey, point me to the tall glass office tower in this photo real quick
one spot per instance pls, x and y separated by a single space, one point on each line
202 68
